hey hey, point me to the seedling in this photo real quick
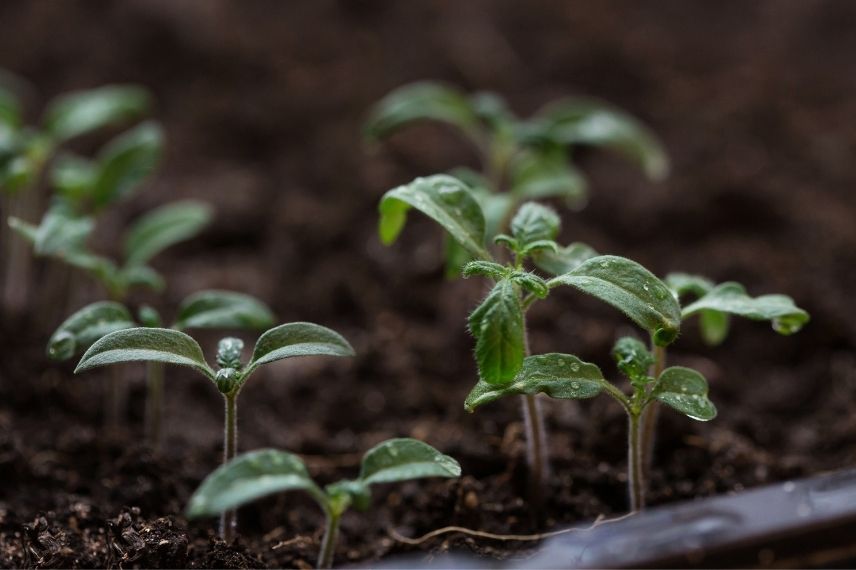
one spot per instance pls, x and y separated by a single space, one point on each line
521 159
170 346
264 472
203 310
499 324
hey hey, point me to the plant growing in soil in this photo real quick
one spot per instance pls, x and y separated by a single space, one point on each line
209 309
521 159
170 346
264 472
499 322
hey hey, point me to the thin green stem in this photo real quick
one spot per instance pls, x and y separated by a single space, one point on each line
154 403
651 415
228 520
635 475
536 439
331 537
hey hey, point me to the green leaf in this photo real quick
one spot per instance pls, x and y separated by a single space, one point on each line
126 161
62 231
685 390
79 112
534 222
530 282
497 325
564 259
714 326
561 376
146 344
80 330
24 229
490 269
251 476
403 459
683 284
731 298
592 122
446 200
539 175
163 227
630 288
10 109
141 276
633 359
297 339
224 310
73 176
422 101
455 256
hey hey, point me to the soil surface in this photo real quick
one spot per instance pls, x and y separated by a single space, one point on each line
263 103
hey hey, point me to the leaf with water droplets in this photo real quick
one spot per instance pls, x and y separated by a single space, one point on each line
446 200
404 458
731 298
251 476
79 112
561 376
633 359
297 339
223 310
630 288
685 390
497 325
563 259
84 327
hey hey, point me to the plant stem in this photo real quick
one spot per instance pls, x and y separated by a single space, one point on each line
154 403
651 415
635 475
536 440
228 520
328 543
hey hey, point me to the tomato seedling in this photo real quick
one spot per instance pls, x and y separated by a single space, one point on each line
170 346
259 473
210 309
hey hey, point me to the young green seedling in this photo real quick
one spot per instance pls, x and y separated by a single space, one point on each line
565 376
499 323
521 159
210 309
264 472
170 346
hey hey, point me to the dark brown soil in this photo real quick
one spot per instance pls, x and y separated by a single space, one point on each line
263 102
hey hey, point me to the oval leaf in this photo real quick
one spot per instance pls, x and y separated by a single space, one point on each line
561 376
685 390
248 477
714 326
297 339
404 458
79 112
497 325
80 330
630 288
683 284
145 344
538 175
444 199
224 310
73 176
126 161
564 259
534 222
163 227
62 231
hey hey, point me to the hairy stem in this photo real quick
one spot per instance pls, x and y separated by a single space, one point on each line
536 440
635 474
154 403
651 415
228 520
328 543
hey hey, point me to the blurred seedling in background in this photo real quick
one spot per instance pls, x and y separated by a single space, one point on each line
521 159
499 322
264 472
210 309
170 346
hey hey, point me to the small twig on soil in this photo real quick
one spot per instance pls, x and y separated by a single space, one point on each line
600 520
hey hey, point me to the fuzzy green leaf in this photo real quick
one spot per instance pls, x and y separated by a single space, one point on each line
633 359
490 269
538 175
79 112
714 326
223 310
685 390
630 288
404 458
141 276
164 227
592 122
534 222
73 176
497 325
62 231
251 476
561 376
683 284
80 330
126 161
446 200
421 101
145 344
297 339
731 298
531 283
564 259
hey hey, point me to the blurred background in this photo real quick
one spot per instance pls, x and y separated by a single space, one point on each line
263 105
